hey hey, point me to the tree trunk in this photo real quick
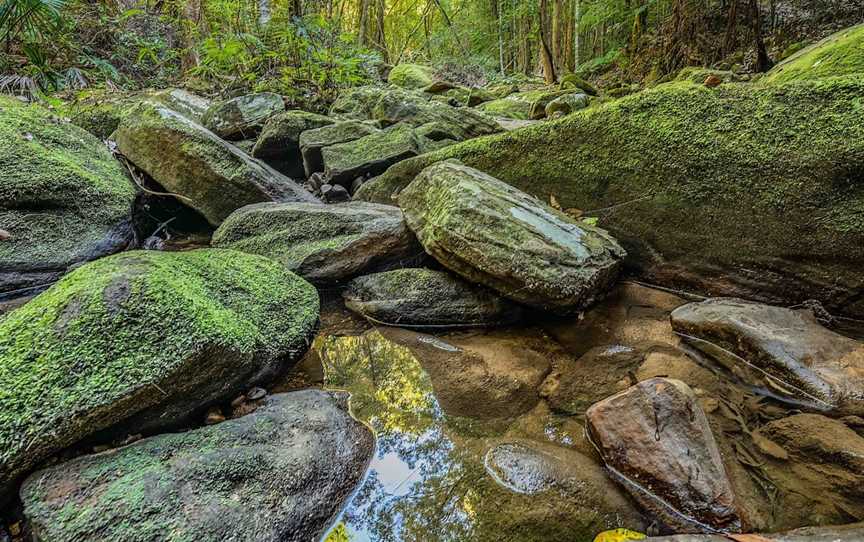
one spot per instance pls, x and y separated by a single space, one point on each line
191 23
546 58
763 63
263 12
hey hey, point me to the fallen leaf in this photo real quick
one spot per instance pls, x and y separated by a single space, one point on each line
619 535
769 447
553 202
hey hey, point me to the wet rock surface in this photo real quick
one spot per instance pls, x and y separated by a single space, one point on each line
280 473
322 243
63 197
840 533
142 340
477 376
243 116
208 174
423 297
493 234
656 440
783 351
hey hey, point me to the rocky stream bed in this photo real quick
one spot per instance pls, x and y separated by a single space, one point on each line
423 317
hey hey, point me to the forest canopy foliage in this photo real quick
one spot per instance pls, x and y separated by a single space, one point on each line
308 49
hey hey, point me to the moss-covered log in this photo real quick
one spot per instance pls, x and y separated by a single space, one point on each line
744 190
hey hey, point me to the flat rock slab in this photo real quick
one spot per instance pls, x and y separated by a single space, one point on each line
206 173
312 141
370 155
853 532
63 198
491 233
322 243
784 351
656 441
280 473
140 340
423 297
279 142
243 116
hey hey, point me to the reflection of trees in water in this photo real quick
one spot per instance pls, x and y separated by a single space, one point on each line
391 392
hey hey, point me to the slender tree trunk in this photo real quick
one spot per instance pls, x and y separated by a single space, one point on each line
191 23
763 63
576 15
546 58
263 12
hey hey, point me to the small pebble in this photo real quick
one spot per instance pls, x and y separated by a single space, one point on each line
214 416
256 394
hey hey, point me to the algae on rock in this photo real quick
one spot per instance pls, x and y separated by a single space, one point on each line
64 199
742 190
142 339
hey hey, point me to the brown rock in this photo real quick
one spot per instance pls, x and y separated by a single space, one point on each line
785 351
712 81
656 441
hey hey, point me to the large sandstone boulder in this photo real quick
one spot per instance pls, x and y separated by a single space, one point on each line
566 104
312 141
839 54
526 105
142 339
491 233
741 190
655 439
370 155
423 297
206 173
280 473
322 243
279 142
243 116
414 76
63 198
184 102
784 351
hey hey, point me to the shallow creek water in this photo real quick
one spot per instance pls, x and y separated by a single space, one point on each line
437 414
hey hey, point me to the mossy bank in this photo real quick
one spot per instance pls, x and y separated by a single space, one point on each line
742 189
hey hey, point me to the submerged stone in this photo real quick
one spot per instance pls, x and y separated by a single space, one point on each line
243 116
784 351
64 199
491 233
479 377
206 173
656 441
279 142
312 141
142 339
280 473
322 243
422 297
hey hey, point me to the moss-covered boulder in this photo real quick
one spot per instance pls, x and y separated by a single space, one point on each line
699 75
243 116
280 473
564 105
522 105
491 233
312 141
190 105
411 76
279 142
322 243
370 155
740 190
423 297
206 173
839 54
571 81
142 339
64 199
356 103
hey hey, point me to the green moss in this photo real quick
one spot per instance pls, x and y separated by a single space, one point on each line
520 105
130 331
62 193
839 54
739 189
698 75
411 76
571 81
